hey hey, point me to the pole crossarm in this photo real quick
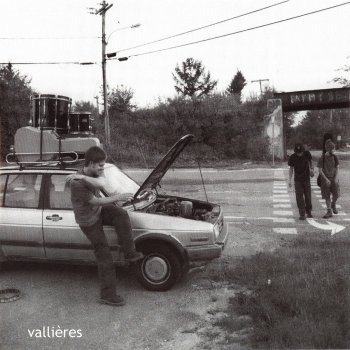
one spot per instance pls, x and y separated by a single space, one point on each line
259 81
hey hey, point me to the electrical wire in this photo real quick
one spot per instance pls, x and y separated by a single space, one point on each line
206 26
239 31
49 38
22 63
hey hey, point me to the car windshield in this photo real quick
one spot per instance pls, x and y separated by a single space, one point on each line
118 182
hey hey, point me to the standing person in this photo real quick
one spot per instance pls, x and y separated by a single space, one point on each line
300 163
92 212
328 166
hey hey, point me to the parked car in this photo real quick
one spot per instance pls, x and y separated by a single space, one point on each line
174 233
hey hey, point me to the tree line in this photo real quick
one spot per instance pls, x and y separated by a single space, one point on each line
225 127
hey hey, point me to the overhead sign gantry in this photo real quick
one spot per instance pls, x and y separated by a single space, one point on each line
314 99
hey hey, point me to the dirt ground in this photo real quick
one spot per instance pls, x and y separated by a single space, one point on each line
180 319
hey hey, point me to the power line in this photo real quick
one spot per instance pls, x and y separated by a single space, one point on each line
241 31
49 38
22 63
206 26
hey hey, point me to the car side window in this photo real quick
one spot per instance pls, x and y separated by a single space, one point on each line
2 188
59 192
23 191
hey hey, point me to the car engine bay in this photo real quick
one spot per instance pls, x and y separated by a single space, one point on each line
181 207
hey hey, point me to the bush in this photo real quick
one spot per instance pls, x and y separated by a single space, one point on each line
223 129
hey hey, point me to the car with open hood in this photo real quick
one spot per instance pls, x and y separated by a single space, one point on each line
174 233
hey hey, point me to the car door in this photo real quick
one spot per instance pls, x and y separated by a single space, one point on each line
64 239
21 234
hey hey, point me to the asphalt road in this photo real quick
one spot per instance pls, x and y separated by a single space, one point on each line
260 211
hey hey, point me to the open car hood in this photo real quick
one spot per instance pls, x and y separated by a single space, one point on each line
159 171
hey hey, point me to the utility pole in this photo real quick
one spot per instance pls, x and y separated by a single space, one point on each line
259 81
102 11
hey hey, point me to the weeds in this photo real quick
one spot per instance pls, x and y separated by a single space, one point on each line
299 295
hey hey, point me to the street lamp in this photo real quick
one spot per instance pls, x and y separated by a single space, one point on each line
123 28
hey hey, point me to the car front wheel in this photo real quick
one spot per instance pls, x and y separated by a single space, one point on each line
160 269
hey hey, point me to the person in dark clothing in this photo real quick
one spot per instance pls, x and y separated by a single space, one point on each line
92 211
300 163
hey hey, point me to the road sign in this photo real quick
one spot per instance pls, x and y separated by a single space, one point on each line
273 130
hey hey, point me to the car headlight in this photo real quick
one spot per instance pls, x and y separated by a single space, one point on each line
216 231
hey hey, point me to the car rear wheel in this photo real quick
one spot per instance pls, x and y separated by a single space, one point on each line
160 269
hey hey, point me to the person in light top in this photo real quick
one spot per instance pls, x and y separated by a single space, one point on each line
328 166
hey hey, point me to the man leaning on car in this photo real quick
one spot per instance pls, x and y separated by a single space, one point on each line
92 211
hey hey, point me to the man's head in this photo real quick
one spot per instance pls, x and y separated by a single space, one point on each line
299 148
95 159
329 146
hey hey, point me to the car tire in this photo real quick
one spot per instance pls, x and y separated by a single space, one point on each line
160 268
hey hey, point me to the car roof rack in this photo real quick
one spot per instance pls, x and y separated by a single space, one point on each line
64 158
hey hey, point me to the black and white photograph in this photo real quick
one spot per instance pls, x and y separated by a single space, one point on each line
174 175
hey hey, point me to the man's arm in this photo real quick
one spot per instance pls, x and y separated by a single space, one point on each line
336 169
336 173
108 200
96 182
312 172
291 169
328 182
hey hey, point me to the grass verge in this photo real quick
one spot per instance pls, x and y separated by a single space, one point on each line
296 297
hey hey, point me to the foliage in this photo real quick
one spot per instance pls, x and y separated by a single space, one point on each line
316 123
15 92
119 100
236 86
343 81
296 297
223 129
191 79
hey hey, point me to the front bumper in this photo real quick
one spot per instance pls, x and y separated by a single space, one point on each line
209 252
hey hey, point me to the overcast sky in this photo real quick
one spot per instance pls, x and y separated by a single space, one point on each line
300 54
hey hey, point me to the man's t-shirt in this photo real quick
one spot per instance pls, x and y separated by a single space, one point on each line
301 165
85 213
329 164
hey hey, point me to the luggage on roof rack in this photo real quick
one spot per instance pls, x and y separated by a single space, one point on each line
33 145
57 158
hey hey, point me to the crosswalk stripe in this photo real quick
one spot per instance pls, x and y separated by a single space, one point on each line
283 212
283 220
325 206
281 200
286 230
283 205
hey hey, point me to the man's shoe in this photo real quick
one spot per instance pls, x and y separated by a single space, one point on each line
302 217
328 214
134 256
309 215
334 208
116 301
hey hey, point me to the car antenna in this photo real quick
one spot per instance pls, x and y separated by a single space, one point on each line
200 170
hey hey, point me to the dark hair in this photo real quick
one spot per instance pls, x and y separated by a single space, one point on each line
94 154
299 147
326 136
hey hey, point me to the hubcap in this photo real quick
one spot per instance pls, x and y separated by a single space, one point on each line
156 269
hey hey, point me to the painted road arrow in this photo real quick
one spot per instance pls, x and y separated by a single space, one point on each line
330 226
